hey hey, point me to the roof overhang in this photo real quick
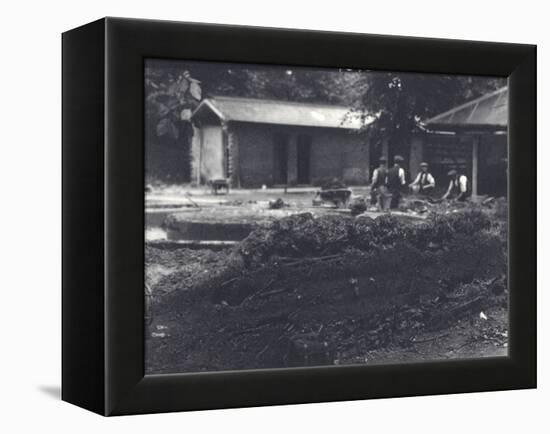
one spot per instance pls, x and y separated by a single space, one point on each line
286 113
487 114
206 104
461 129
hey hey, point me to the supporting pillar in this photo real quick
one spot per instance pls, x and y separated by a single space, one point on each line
226 158
233 155
199 163
367 162
416 154
386 150
292 160
475 162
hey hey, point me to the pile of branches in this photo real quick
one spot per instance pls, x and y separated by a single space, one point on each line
303 235
456 246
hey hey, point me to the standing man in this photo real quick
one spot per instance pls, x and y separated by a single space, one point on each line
458 187
396 181
424 181
378 185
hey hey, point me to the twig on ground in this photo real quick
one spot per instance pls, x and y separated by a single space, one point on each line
227 282
467 343
274 292
254 294
262 351
434 338
188 197
314 259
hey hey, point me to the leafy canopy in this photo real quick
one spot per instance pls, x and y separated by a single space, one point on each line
399 100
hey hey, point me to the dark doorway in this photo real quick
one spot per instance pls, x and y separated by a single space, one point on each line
404 150
303 157
492 166
280 159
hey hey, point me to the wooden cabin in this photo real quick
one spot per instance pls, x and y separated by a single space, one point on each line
253 142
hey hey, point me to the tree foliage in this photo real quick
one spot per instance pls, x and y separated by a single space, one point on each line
397 101
333 86
170 95
174 88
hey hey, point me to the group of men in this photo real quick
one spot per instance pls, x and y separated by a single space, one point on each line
388 184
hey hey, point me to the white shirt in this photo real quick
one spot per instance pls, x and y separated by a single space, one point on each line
462 183
402 175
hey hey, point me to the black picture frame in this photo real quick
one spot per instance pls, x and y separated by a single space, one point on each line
103 216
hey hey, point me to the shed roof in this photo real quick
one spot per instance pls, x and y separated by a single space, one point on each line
488 111
279 112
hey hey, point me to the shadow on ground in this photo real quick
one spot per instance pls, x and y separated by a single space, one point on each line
51 391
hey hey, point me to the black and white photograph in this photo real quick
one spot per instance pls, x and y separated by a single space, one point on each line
299 217
275 217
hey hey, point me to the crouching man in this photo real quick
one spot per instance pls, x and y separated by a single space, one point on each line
459 188
424 183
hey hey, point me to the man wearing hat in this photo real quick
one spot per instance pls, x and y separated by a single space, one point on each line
458 186
424 182
396 181
378 185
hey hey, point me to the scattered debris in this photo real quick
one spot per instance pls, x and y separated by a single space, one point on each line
277 204
235 202
358 206
332 191
332 184
488 201
338 197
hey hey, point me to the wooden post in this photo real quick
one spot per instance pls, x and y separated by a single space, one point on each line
386 150
201 140
416 154
367 162
292 160
475 157
233 141
226 170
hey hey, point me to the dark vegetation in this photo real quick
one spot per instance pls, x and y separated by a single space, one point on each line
399 100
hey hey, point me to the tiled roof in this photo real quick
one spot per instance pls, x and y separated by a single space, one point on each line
490 110
280 112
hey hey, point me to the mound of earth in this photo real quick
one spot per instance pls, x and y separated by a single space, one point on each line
311 291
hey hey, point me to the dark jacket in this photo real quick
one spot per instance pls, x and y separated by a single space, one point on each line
424 179
394 183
